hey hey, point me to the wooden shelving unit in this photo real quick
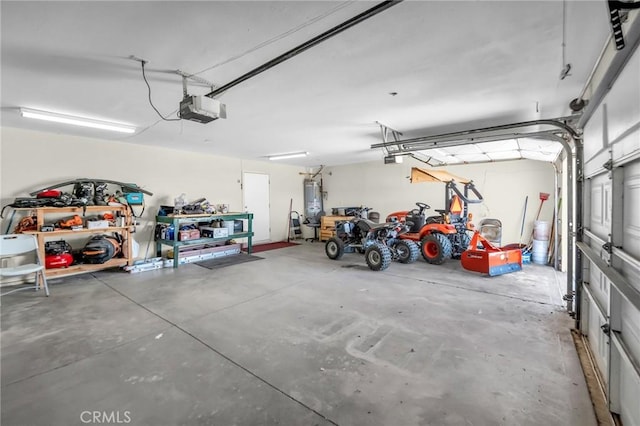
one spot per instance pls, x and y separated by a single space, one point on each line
328 225
125 231
177 220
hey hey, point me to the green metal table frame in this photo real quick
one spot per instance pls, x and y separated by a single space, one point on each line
177 220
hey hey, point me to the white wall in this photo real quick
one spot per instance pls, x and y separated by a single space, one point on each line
503 185
32 160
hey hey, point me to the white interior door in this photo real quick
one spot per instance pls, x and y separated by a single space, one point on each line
256 200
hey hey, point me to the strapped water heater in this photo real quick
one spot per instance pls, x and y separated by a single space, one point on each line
312 198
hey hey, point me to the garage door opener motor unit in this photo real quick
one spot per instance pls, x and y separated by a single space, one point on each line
202 109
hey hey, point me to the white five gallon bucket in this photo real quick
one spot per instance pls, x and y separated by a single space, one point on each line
539 252
541 230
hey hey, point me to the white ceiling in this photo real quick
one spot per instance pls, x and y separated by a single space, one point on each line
455 65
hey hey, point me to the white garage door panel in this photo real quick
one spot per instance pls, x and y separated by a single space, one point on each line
600 209
631 219
629 145
623 102
594 165
597 339
593 134
612 136
597 190
630 333
629 395
632 274
599 286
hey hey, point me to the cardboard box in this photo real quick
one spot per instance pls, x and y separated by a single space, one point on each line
209 232
220 232
189 234
95 224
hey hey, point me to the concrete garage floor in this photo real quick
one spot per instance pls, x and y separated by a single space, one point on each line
294 339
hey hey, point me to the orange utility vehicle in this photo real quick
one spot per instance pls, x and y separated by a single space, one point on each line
445 235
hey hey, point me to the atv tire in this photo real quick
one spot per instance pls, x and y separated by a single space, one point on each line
407 251
378 257
334 248
436 248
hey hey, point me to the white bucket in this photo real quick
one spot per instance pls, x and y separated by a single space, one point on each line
541 230
540 260
539 252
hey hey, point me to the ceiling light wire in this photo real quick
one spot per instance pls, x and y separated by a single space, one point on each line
144 76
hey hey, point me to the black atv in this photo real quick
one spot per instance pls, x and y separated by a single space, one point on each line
378 241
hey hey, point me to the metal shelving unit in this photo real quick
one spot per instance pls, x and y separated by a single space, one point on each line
178 220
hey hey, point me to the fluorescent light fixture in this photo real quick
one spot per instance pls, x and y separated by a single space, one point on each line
286 156
76 121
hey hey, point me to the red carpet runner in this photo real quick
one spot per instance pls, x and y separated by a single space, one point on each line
270 246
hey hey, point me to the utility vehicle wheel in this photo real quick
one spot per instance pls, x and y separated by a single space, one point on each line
334 248
378 257
436 248
463 242
407 251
